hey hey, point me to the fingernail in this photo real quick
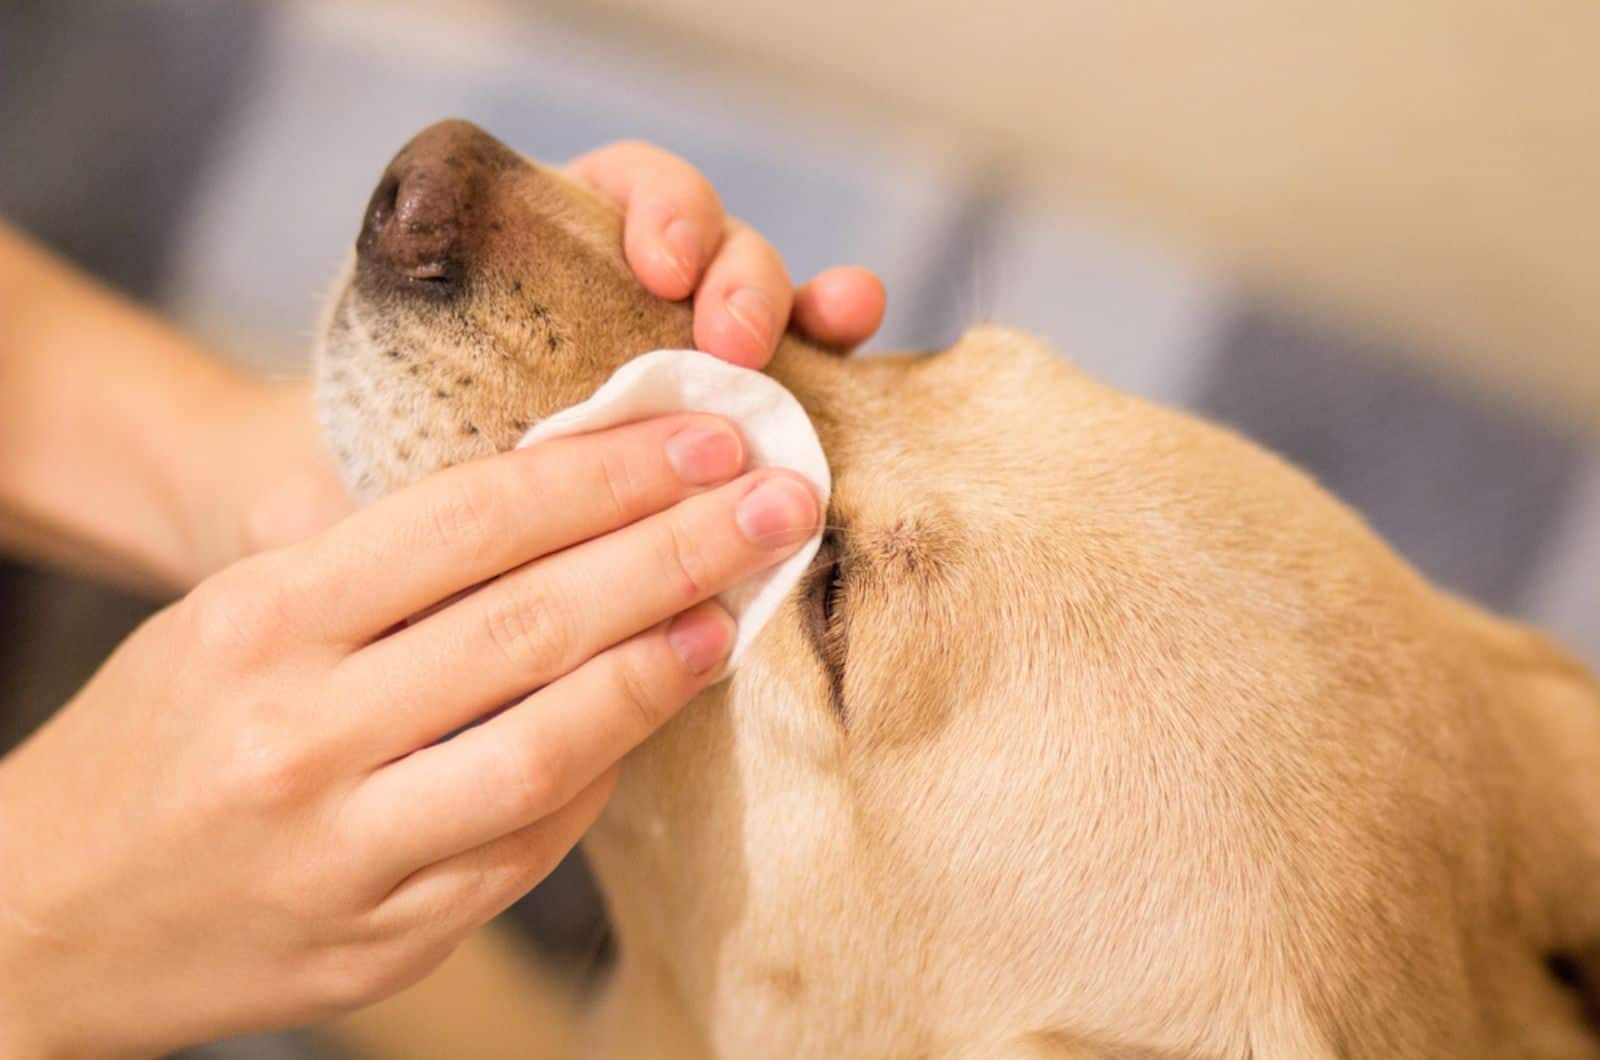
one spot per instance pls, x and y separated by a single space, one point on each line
753 310
701 638
682 242
704 456
780 511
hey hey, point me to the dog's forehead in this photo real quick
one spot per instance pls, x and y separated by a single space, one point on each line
973 435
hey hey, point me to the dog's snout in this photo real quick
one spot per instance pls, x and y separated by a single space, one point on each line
423 221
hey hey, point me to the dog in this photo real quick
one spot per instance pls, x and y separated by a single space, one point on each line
1095 730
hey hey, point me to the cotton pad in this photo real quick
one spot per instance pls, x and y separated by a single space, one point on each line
777 433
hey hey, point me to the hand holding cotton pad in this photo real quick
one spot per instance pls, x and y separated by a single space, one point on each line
776 430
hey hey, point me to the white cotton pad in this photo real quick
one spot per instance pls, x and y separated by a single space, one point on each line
776 430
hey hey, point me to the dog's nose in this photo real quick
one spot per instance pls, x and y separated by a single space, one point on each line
423 218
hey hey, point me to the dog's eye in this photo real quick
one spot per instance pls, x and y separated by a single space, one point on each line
824 603
826 586
831 592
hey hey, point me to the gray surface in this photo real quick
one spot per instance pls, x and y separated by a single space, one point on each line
107 113
1129 313
1563 593
1467 488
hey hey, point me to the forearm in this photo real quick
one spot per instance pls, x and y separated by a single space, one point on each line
116 432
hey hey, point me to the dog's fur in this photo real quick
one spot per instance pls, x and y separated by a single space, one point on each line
1097 731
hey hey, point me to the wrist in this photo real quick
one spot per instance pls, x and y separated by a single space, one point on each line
42 1015
18 1036
264 477
58 997
24 967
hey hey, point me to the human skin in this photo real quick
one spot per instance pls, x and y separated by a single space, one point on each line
245 819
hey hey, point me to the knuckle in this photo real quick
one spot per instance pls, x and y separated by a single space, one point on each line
526 859
622 485
764 256
642 692
531 778
667 177
233 616
356 976
700 190
460 516
526 626
692 569
268 767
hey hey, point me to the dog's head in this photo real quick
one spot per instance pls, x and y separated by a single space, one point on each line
485 292
1054 743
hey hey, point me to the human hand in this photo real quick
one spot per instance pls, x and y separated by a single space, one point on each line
248 819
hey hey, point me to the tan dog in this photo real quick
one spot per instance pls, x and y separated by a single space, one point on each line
1096 731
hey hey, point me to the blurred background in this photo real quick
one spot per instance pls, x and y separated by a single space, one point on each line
1363 234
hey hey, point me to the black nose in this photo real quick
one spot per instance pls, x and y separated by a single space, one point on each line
424 221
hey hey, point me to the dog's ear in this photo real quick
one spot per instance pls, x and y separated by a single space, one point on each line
1546 706
1559 703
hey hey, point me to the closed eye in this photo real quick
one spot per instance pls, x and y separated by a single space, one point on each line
824 605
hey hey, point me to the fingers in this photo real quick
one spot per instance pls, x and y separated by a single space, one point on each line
471 888
528 761
536 623
678 241
743 302
674 220
841 307
414 548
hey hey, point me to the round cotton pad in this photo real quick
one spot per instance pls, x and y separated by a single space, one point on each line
776 430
